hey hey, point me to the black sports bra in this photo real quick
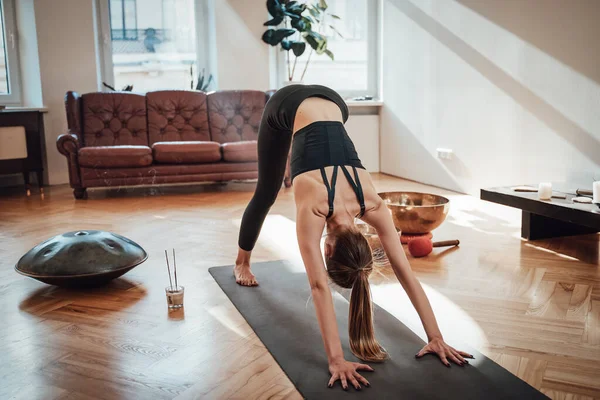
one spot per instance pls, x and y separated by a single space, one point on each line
355 185
322 144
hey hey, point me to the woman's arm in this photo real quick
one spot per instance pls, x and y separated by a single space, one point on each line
379 217
309 229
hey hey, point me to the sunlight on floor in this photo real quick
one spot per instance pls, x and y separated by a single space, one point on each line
457 326
278 235
221 314
551 252
488 218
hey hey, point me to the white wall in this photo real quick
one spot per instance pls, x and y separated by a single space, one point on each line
364 132
513 87
243 58
67 53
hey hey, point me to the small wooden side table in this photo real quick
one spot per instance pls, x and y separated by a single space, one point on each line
32 119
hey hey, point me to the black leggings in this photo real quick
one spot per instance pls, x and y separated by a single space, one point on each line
273 149
274 141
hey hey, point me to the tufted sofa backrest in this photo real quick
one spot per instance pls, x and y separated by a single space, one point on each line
114 119
235 115
122 118
177 115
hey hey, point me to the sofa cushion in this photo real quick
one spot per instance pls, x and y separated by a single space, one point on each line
240 151
114 119
234 115
186 152
115 156
156 170
177 115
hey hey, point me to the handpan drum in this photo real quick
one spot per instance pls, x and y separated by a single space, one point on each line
81 259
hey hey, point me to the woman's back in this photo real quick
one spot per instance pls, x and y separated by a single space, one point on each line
316 109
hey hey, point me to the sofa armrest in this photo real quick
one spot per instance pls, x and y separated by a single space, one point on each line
68 145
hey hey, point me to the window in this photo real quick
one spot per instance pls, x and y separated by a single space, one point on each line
10 90
354 71
151 44
123 20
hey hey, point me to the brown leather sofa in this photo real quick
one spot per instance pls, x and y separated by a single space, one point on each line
123 139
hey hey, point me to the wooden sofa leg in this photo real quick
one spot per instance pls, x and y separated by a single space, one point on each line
80 193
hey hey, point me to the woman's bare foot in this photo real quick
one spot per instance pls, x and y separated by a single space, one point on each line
241 271
244 276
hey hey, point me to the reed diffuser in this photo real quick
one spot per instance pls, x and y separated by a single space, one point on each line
174 293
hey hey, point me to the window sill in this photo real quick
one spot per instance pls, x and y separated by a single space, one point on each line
364 103
24 109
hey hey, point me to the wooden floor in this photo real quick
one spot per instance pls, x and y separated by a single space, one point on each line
532 307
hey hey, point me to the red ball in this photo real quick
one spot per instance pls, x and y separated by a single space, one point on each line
420 247
407 237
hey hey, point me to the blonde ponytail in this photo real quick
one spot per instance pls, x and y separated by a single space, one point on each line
361 331
349 266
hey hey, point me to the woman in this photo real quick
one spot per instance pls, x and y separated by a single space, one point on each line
314 116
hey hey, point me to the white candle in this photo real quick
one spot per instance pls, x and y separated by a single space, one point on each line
545 191
596 192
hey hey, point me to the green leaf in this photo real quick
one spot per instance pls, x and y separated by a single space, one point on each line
336 31
203 86
295 8
321 47
274 37
302 25
312 42
286 45
330 54
108 86
323 5
275 8
314 13
292 15
298 48
275 21
334 16
272 7
316 35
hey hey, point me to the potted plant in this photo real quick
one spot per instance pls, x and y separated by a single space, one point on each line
202 83
293 25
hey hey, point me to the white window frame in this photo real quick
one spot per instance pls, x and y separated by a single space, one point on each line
204 26
13 71
373 64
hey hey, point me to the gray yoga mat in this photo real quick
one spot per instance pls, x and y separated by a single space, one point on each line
280 313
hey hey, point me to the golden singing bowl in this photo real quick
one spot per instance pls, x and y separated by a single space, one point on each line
416 213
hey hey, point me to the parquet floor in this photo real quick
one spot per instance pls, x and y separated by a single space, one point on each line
532 307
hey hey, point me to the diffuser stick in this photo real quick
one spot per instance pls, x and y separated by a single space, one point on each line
169 270
175 268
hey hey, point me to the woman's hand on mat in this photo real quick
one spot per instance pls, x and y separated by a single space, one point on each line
445 352
346 372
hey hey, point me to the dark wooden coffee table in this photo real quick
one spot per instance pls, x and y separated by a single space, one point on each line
544 219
